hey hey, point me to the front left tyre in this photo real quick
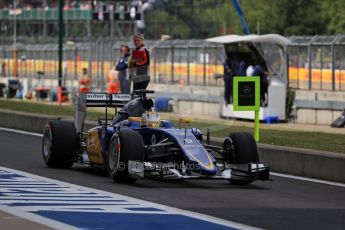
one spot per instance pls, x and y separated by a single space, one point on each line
126 145
59 144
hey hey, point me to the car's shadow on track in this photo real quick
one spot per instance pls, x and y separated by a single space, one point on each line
172 183
193 184
91 170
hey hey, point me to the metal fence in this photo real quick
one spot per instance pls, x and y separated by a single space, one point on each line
188 62
315 63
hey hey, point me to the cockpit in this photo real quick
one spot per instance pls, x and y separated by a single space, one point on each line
138 110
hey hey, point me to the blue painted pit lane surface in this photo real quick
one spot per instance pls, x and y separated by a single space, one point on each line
86 208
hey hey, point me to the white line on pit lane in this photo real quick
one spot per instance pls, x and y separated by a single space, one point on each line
308 179
271 173
21 132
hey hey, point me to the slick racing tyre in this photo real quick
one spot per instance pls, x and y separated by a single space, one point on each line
245 148
124 146
245 151
59 144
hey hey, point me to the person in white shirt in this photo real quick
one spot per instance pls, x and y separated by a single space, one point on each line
250 70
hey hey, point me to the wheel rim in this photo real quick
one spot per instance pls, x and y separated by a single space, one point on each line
113 158
232 156
47 142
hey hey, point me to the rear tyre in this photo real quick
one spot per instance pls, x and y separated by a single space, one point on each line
59 144
124 146
245 151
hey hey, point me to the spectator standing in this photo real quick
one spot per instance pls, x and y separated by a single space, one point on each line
227 77
139 63
242 67
263 74
122 66
84 81
250 70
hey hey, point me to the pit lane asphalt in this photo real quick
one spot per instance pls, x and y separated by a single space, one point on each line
281 204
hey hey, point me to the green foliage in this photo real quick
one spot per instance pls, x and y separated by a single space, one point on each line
44 108
207 18
286 17
190 18
333 16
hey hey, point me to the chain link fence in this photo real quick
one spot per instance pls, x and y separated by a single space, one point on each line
187 62
315 63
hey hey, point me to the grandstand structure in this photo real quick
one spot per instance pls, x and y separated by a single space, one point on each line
82 18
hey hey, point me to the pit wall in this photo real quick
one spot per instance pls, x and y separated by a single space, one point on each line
318 107
191 100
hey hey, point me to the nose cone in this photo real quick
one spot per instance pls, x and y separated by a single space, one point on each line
203 162
208 170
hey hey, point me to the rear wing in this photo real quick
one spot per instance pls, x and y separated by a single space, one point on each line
105 99
91 99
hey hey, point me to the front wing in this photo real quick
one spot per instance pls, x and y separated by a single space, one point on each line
241 172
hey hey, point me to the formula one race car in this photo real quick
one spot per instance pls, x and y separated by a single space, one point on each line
138 144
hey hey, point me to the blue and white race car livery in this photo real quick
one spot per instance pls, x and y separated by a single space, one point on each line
138 144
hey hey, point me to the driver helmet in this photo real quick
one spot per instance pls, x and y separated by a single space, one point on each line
151 119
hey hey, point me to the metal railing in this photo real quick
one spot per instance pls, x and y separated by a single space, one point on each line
187 62
47 14
315 63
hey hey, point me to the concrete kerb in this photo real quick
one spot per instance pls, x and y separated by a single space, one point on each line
304 162
294 161
24 121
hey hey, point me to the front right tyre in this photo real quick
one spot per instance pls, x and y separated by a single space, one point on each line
244 151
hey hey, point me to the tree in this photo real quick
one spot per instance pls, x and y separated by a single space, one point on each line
333 16
286 17
189 18
207 18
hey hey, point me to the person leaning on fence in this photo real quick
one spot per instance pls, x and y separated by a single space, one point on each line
121 67
139 64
